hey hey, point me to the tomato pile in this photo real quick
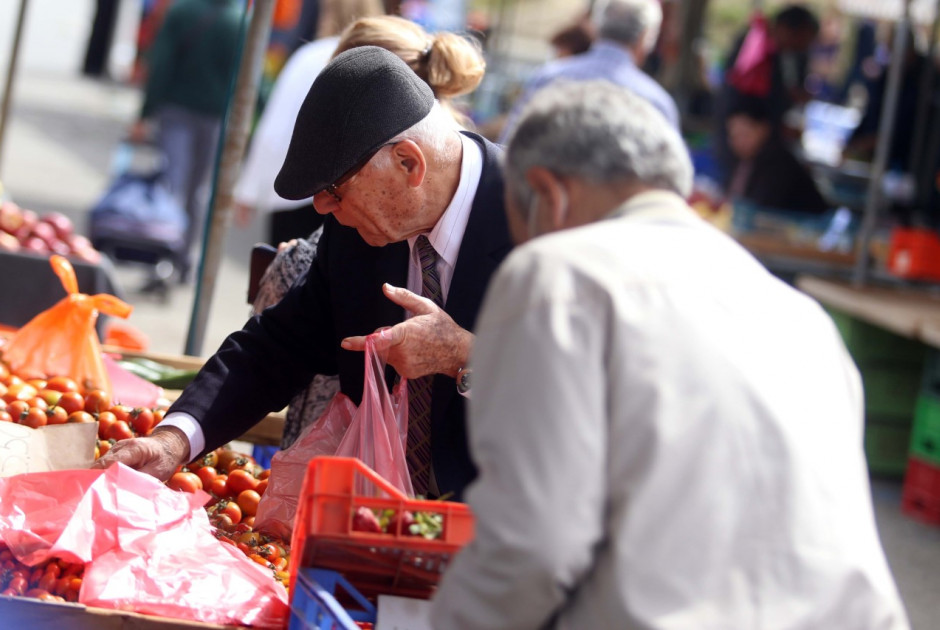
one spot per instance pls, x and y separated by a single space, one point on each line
234 481
38 402
53 580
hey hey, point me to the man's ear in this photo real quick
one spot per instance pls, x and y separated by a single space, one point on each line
409 159
548 187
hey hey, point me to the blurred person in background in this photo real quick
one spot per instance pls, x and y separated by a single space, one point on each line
254 190
189 73
767 174
574 39
654 448
458 70
626 33
775 70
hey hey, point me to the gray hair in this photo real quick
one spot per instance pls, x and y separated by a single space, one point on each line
629 22
597 131
431 132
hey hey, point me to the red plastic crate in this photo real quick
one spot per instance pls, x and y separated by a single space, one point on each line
394 563
914 253
920 497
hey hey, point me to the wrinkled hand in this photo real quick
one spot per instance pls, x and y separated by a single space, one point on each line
428 343
159 455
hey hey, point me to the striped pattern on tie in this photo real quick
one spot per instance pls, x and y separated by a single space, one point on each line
418 452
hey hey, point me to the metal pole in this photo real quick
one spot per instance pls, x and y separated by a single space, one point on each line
692 18
873 199
924 103
11 72
235 135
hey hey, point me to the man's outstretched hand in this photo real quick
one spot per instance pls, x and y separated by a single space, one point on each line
159 455
428 343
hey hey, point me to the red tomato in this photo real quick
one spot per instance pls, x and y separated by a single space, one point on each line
142 420
219 486
119 431
18 410
240 463
80 416
207 474
158 415
105 420
104 446
34 418
230 509
20 391
18 584
62 384
224 522
239 480
97 401
264 474
37 401
248 501
38 383
71 402
121 412
48 581
56 415
185 481
262 486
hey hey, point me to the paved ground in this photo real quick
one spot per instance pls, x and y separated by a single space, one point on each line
57 156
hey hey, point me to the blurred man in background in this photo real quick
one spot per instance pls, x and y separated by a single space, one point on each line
627 31
654 448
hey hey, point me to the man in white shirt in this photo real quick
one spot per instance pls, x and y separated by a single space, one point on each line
667 436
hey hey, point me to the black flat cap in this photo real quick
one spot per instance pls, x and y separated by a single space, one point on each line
363 98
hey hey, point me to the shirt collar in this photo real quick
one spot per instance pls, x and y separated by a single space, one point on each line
610 48
447 233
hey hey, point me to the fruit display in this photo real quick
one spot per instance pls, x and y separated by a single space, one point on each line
234 481
407 523
50 233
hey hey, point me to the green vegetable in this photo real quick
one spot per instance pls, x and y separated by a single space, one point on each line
158 373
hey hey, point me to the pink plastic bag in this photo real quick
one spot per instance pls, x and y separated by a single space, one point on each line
145 547
278 504
376 433
379 430
751 73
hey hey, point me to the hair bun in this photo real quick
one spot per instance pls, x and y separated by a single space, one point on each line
454 64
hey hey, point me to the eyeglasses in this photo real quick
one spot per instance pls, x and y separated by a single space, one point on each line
348 175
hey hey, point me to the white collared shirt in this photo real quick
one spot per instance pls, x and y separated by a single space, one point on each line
445 237
447 234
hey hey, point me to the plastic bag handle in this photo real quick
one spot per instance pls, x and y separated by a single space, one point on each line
376 478
110 305
63 268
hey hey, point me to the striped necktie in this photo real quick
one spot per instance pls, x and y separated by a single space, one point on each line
419 389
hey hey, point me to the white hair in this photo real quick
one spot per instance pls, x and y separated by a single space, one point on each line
596 131
629 22
431 133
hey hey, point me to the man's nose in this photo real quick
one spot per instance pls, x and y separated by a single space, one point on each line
324 203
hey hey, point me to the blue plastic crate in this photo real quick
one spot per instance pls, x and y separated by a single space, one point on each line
314 606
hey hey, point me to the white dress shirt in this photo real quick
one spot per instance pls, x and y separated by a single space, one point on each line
445 237
667 437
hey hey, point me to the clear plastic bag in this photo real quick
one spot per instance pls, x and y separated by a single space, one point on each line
375 432
62 340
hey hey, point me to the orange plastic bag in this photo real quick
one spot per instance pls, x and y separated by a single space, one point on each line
62 341
145 547
376 432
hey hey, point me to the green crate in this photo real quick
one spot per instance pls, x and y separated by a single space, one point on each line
867 343
891 389
925 435
886 447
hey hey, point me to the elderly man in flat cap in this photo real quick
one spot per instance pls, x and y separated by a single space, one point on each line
416 227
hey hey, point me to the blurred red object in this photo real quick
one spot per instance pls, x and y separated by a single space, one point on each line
914 253
123 335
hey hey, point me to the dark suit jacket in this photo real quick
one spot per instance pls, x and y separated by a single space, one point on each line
259 368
